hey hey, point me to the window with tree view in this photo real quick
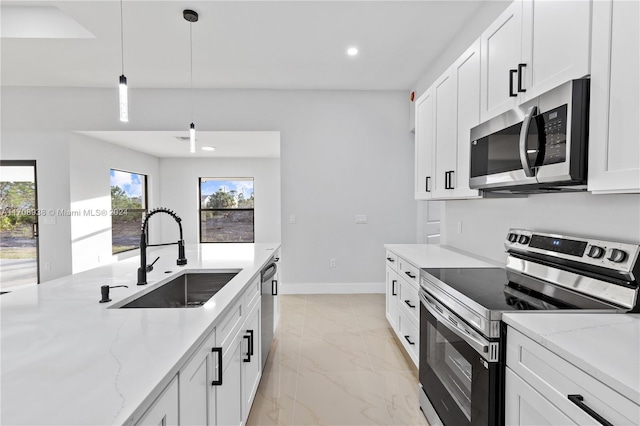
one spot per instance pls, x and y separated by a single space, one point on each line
226 210
128 205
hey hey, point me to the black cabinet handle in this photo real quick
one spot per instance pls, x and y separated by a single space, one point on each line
577 399
409 274
451 172
426 184
274 287
248 358
408 302
448 181
520 69
410 342
393 288
219 381
511 73
390 259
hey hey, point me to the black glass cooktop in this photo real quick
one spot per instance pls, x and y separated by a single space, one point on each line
491 288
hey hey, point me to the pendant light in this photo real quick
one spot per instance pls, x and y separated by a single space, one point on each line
190 16
122 85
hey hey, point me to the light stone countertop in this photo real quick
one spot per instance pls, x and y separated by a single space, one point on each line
439 256
68 360
605 346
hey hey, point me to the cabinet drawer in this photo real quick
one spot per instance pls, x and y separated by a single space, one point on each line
556 379
228 326
409 300
408 271
392 260
409 335
252 294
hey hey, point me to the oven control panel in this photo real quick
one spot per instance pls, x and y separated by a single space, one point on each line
612 255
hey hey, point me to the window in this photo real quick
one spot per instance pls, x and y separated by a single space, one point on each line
226 210
128 205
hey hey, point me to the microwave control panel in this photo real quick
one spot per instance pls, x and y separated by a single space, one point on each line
552 126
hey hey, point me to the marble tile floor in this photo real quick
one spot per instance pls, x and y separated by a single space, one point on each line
334 361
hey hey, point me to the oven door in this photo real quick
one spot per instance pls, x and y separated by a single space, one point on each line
458 370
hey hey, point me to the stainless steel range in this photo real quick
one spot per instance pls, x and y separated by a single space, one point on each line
461 339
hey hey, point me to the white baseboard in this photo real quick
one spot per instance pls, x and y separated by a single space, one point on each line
331 288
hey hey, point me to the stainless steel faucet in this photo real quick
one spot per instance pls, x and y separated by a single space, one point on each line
144 268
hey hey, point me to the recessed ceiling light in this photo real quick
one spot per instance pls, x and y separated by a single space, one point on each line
208 148
352 51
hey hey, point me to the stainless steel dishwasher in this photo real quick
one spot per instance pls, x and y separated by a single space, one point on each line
269 290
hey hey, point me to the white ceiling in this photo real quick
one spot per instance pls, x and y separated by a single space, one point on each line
165 144
236 44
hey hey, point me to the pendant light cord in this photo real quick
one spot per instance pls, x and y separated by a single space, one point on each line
191 65
122 36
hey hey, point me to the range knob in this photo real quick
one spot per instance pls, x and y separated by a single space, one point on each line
595 252
524 239
513 237
617 256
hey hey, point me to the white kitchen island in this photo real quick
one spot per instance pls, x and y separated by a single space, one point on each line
68 360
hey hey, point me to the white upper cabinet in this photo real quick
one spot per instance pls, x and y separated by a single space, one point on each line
501 52
555 44
445 141
466 94
533 47
614 134
424 146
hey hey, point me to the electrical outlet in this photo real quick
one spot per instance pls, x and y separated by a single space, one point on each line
292 218
332 262
361 219
47 266
98 258
459 227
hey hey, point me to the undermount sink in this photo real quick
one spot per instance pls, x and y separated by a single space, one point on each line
190 290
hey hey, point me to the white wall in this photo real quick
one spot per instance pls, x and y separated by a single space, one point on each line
342 153
51 152
90 163
179 192
485 222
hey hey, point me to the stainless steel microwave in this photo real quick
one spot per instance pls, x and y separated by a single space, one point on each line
541 146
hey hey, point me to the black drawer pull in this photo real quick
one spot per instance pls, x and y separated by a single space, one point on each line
274 287
408 302
219 381
426 184
577 399
410 342
393 288
390 259
409 274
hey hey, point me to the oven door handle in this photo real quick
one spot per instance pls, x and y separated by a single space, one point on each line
524 133
478 345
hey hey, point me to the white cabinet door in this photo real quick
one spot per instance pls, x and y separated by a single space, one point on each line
445 142
526 407
164 411
555 44
501 52
466 75
425 131
614 150
392 297
252 358
195 385
227 401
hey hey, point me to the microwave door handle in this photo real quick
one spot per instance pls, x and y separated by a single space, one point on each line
524 133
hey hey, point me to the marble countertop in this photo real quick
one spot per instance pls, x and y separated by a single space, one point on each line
68 360
605 346
439 256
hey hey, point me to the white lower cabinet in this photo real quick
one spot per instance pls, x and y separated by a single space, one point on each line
195 385
164 410
543 388
403 304
227 400
252 359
